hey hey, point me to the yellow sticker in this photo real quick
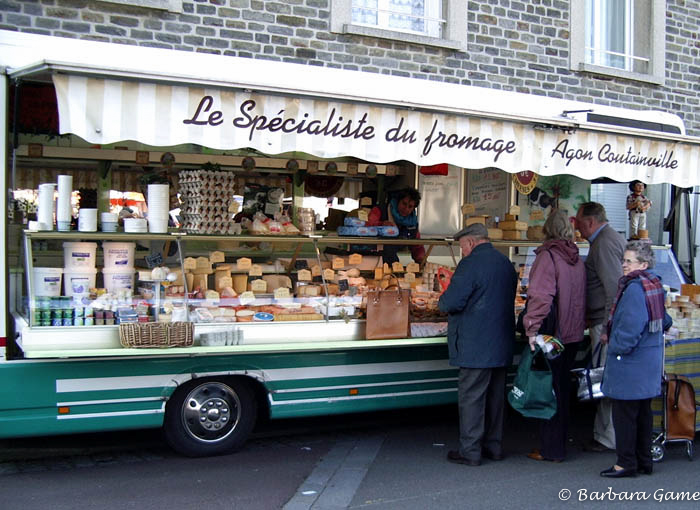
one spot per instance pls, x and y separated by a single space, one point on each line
355 259
258 286
316 270
281 293
412 267
328 275
338 263
397 267
304 275
363 214
243 263
255 270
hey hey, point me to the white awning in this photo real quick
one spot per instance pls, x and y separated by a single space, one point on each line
104 111
110 93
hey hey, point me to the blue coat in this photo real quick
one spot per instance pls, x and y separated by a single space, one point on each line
634 365
480 301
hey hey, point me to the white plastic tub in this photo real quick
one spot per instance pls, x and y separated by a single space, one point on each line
47 281
78 281
79 255
118 278
118 255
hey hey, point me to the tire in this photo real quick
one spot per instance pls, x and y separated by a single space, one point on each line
210 416
657 452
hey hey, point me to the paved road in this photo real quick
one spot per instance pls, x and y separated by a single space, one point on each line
380 461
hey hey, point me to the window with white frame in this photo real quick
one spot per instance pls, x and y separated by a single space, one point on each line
619 37
430 22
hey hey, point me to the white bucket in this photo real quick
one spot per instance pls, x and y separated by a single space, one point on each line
78 281
47 281
79 255
116 279
118 255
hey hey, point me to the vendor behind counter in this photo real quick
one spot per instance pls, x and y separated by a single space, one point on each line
400 210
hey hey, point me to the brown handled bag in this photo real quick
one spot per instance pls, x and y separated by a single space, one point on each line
387 313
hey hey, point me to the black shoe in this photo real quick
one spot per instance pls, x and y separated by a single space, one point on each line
454 456
645 470
611 472
491 456
597 447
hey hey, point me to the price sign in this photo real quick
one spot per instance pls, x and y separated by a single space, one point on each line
328 275
247 298
243 264
301 264
413 268
304 275
281 293
397 267
343 285
338 263
316 270
258 286
355 259
189 263
363 215
409 277
255 270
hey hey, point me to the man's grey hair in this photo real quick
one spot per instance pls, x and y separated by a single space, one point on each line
643 252
595 210
476 230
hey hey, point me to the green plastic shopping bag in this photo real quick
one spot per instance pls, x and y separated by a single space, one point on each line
532 394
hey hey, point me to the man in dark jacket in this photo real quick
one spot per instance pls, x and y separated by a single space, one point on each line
480 302
603 271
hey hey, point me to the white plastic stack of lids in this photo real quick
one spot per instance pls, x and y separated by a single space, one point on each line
135 225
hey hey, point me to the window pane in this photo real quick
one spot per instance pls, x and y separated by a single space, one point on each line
419 16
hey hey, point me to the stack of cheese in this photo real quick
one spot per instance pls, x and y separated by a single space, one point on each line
513 230
470 218
684 309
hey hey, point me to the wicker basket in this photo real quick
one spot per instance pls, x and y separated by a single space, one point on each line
156 334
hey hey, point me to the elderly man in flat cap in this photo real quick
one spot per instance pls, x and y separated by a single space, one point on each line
480 301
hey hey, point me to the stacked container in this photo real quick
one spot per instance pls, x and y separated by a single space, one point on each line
118 271
78 268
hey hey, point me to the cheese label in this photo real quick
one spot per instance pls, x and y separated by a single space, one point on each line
366 201
378 273
258 286
316 270
247 298
281 293
413 268
328 275
409 277
304 275
216 256
397 267
363 214
255 270
338 263
189 263
355 259
202 263
243 264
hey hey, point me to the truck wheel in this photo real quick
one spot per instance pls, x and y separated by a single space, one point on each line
210 417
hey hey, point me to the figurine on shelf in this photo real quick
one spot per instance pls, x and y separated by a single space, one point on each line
637 206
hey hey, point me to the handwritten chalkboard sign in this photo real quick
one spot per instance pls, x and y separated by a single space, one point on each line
487 190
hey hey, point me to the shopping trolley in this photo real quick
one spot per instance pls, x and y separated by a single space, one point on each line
678 422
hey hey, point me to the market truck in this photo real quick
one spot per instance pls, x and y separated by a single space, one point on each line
273 317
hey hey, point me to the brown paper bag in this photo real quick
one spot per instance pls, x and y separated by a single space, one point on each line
387 313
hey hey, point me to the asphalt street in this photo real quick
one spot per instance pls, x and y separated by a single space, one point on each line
377 461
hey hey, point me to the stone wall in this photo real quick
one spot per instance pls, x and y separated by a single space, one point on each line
512 45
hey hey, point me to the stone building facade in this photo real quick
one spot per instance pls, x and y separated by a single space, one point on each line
518 45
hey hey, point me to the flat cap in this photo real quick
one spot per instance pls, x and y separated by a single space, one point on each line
473 230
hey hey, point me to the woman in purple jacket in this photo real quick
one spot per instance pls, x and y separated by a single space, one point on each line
557 273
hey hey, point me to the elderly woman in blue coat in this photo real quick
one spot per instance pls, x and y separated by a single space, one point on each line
634 366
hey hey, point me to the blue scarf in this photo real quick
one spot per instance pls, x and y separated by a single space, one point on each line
402 221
